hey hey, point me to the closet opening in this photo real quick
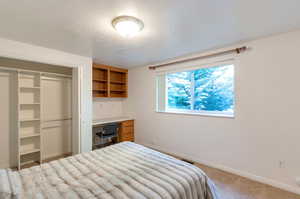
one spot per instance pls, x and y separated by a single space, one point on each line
36 116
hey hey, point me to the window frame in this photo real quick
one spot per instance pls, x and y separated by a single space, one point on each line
201 112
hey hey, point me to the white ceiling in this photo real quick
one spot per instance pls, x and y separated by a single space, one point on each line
172 27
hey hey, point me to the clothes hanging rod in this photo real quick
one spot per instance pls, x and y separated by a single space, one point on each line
10 69
231 51
55 120
55 74
54 78
50 127
33 71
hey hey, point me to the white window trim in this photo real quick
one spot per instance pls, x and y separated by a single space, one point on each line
201 113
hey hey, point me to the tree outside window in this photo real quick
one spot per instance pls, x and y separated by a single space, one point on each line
205 89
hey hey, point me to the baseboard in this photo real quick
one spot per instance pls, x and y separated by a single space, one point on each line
248 175
56 156
4 166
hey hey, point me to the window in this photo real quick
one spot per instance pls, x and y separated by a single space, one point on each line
203 91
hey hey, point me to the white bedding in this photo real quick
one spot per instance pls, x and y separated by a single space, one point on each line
121 171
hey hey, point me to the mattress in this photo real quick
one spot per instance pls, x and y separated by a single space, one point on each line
121 171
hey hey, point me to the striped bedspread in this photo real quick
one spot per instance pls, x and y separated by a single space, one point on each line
121 171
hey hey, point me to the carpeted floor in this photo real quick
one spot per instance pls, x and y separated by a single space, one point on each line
231 186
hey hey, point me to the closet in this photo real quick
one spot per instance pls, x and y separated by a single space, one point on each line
36 120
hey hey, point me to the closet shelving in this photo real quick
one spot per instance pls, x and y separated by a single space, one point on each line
29 117
28 128
109 81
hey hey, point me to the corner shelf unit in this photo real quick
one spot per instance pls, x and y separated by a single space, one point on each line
109 82
29 117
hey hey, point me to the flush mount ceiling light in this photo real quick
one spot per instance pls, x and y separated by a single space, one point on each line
127 26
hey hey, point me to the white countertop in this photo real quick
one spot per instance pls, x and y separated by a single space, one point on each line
110 120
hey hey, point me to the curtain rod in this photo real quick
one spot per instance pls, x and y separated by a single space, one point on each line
236 50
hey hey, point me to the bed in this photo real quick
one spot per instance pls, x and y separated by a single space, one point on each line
121 171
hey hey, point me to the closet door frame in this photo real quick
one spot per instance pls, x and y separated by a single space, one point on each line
81 95
76 110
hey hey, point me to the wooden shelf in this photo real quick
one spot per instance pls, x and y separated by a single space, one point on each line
29 151
117 82
111 80
116 90
99 80
100 89
99 94
117 95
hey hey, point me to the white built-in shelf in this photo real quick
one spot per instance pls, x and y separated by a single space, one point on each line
30 87
29 151
28 162
29 135
30 119
28 104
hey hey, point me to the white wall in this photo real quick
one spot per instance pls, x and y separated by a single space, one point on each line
107 108
28 52
8 128
265 129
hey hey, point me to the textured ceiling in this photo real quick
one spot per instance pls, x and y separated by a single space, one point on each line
172 27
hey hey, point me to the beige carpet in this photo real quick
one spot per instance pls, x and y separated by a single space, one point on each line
235 187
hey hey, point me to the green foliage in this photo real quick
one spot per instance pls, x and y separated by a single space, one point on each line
212 89
179 90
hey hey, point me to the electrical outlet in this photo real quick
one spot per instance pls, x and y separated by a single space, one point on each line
298 181
281 164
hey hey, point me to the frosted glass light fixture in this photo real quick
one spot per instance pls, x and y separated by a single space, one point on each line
127 26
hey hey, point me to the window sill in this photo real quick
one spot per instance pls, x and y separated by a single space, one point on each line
206 114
